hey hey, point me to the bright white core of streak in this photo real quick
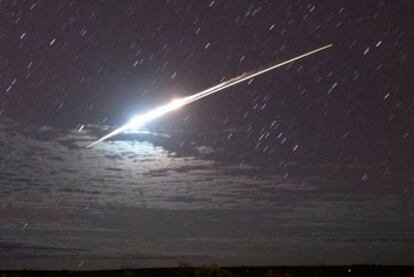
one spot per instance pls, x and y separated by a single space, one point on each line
138 121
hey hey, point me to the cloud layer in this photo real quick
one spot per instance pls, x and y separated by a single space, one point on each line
158 200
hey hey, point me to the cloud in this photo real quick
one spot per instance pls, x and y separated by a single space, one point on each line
149 193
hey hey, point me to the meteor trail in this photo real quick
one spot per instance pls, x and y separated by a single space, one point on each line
139 120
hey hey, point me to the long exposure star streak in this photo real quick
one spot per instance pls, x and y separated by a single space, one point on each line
140 120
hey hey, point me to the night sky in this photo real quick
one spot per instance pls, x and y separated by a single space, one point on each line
64 64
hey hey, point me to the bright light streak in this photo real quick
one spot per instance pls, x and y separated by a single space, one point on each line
140 120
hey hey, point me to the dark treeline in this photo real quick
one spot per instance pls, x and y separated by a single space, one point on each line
215 271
